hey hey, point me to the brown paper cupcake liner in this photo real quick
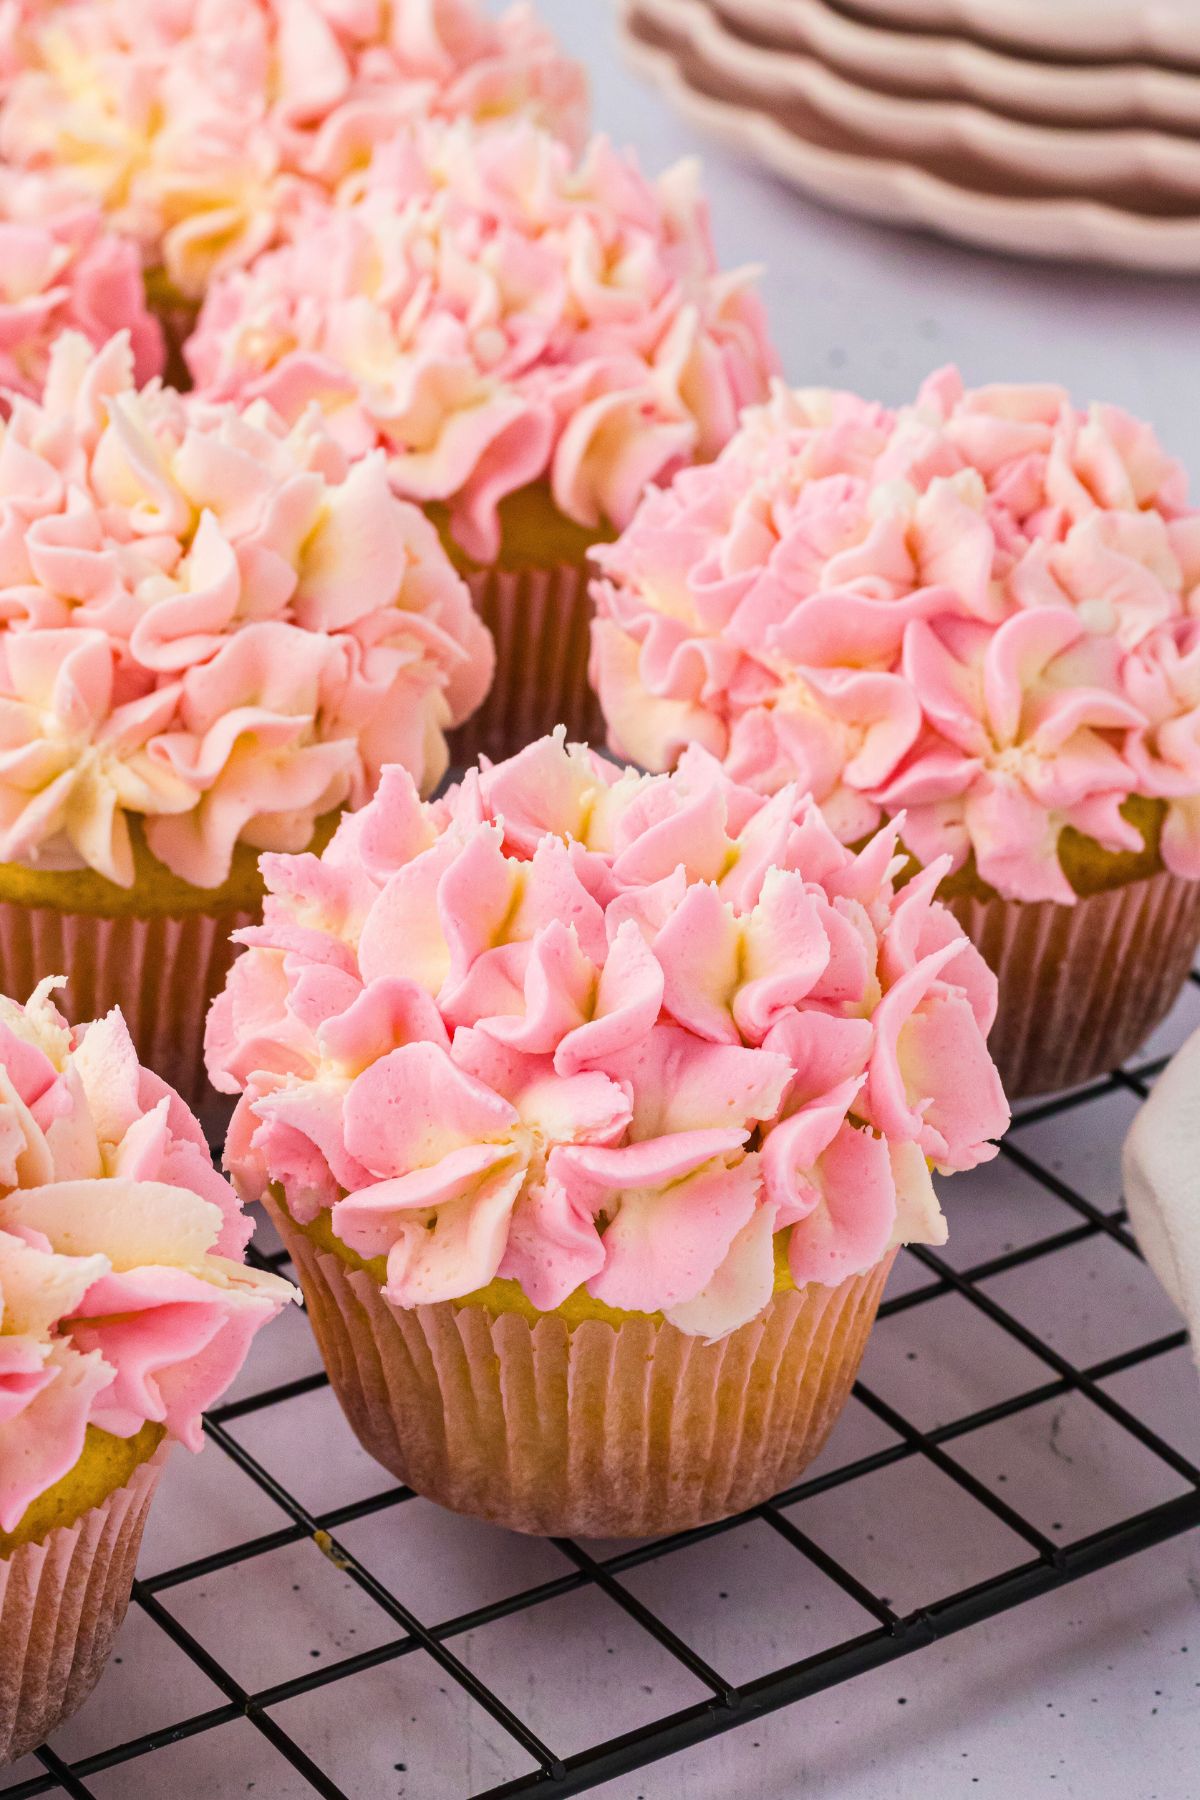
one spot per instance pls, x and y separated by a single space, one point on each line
61 1604
593 1430
1081 987
162 972
541 621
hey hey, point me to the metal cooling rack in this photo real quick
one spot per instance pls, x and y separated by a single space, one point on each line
953 1450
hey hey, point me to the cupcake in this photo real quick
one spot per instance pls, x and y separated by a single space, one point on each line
980 610
200 125
214 631
61 270
531 339
592 1107
125 1310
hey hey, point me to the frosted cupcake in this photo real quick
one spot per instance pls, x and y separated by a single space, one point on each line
978 609
125 1310
531 339
592 1107
61 270
213 633
200 125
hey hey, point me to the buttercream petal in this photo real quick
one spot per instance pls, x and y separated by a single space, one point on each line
666 1244
415 1106
740 1288
852 1225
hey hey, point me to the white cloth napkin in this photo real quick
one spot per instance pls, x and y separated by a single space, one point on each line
1162 1182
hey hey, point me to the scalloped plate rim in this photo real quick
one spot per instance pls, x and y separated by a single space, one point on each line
950 67
897 193
1104 29
923 128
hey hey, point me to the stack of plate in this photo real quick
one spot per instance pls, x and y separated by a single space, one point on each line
1059 128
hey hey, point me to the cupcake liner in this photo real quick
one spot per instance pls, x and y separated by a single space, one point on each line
592 1430
61 1605
162 972
541 621
1081 987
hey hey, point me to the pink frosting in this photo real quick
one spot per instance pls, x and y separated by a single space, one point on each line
494 313
200 125
62 270
575 1026
980 609
211 620
124 1297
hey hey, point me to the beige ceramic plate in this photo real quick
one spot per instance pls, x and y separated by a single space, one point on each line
938 66
1146 171
1165 31
1062 227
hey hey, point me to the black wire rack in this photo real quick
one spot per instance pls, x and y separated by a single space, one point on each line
1037 1562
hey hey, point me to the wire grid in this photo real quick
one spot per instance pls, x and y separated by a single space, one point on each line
1041 1564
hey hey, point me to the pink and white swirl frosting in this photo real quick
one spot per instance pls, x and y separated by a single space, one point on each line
583 1027
983 608
124 1296
211 620
494 313
199 125
61 269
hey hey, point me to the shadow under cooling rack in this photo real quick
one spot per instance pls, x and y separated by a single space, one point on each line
1012 1430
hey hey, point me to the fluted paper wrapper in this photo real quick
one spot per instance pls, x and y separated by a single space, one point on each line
162 973
541 621
61 1605
1081 987
593 1430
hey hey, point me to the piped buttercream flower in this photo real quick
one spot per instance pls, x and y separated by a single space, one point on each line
1162 679
581 1027
62 269
971 608
124 1299
209 621
200 127
495 314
